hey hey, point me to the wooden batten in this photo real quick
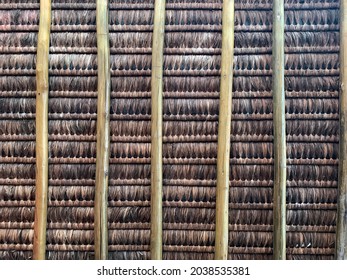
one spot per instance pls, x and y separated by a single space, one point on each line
279 125
103 131
224 129
341 229
42 84
157 131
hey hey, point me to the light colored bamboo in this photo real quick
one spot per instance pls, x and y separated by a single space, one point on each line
279 123
157 131
103 132
341 229
224 130
42 86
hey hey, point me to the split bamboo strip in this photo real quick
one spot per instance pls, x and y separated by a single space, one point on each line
224 128
341 229
279 218
42 85
157 131
103 132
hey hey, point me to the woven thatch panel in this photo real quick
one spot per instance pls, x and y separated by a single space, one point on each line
17 129
312 40
191 91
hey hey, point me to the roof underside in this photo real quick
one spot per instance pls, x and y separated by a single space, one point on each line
191 92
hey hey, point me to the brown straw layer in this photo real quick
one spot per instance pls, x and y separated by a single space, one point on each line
192 47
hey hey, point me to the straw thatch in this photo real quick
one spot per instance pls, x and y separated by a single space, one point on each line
191 92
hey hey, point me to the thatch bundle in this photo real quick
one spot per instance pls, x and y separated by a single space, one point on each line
191 81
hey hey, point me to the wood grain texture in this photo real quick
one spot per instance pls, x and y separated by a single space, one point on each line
103 132
41 200
341 229
157 131
279 198
224 128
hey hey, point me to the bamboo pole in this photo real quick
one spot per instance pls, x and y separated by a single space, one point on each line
157 131
341 229
224 130
103 131
279 216
42 86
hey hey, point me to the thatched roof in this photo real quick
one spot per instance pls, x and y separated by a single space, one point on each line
191 91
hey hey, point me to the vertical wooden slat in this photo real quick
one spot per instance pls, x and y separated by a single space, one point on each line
341 229
157 131
279 216
42 84
224 130
103 132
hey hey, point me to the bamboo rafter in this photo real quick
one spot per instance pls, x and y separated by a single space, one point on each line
157 131
103 132
224 128
279 218
341 229
42 84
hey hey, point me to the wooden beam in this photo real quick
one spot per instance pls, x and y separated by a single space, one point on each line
341 229
42 85
157 131
279 123
224 130
103 131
